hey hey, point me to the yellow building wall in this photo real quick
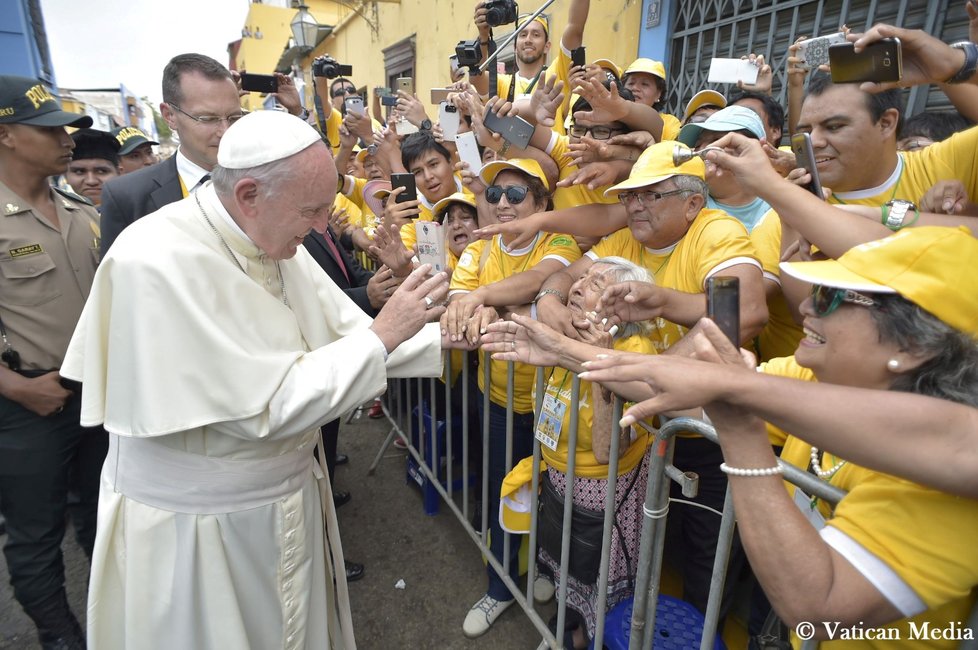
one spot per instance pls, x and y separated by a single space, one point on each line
612 32
261 55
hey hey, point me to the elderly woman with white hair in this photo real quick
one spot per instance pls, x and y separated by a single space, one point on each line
544 347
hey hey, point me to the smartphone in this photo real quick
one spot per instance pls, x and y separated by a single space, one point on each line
815 51
880 62
431 244
355 105
403 127
439 95
801 145
382 91
388 100
514 130
406 84
406 181
578 56
730 71
448 119
468 151
259 83
723 305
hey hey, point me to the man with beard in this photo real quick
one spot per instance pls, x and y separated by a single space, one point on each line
532 46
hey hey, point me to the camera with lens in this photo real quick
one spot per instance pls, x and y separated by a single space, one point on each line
501 12
327 66
469 53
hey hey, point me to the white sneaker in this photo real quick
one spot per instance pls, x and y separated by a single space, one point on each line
543 589
482 615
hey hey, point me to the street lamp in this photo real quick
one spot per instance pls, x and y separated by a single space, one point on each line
305 28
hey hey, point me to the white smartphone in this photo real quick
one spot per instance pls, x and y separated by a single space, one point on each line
448 118
730 71
468 151
403 127
815 51
431 244
355 105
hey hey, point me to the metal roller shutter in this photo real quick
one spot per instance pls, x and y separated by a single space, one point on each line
703 29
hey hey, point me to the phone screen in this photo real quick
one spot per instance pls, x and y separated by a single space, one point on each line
723 305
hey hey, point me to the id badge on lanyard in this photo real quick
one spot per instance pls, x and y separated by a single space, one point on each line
551 420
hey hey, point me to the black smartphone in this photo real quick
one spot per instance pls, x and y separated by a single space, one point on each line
388 100
514 130
723 305
578 56
259 83
801 146
880 62
406 181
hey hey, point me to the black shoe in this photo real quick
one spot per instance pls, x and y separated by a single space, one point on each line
342 459
354 571
341 498
57 627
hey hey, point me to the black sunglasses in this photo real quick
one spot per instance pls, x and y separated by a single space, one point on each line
515 194
339 92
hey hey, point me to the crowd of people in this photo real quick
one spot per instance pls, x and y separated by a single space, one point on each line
204 321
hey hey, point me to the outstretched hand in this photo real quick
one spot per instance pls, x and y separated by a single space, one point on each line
524 340
416 302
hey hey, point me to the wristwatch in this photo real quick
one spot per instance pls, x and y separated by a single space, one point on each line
426 124
970 66
895 212
304 115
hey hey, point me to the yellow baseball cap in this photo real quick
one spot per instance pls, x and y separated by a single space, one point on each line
362 155
528 166
704 98
655 165
457 197
654 68
608 64
921 264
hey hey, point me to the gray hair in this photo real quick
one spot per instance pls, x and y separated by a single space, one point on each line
951 371
691 185
268 176
623 270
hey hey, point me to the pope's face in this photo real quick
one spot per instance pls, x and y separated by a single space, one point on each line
296 205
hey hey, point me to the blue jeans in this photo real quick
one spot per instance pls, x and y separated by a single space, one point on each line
498 468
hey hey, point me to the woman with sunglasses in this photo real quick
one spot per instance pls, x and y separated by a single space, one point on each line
479 289
893 558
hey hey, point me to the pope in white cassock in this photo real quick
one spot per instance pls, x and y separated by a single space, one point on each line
212 348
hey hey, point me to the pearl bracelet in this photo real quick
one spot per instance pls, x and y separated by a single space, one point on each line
764 471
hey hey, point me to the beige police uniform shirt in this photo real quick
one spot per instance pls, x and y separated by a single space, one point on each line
45 274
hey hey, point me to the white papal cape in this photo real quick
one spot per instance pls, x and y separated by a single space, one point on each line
210 521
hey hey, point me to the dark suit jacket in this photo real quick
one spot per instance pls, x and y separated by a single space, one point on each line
137 194
356 287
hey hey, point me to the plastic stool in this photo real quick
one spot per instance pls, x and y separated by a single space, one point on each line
678 626
430 496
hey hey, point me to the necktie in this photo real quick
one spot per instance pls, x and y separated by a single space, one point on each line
335 252
200 183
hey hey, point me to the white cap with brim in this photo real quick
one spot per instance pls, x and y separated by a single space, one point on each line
725 120
263 137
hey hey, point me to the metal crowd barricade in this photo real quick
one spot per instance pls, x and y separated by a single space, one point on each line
406 396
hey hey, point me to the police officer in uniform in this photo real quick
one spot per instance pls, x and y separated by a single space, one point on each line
49 247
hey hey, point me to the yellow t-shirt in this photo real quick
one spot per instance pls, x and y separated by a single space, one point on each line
922 541
568 197
714 241
781 335
586 465
918 171
500 264
333 122
670 126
